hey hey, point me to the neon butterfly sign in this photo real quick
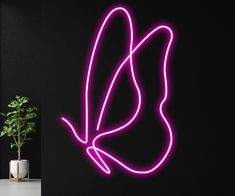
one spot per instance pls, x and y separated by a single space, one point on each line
93 150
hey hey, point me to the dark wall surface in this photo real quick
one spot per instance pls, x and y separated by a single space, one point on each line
55 53
21 74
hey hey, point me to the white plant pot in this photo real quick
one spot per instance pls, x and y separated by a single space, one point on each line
19 169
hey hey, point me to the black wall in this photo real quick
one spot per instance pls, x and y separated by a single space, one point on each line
53 41
21 74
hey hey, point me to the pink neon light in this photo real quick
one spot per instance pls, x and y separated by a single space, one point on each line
96 153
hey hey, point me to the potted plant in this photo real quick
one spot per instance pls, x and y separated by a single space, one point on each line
19 124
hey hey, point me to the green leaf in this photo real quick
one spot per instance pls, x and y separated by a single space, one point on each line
2 133
13 104
7 122
30 115
20 119
29 110
5 128
10 113
13 145
32 124
21 109
2 114
17 145
23 100
14 125
9 134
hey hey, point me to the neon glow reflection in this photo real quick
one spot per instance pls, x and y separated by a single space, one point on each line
94 151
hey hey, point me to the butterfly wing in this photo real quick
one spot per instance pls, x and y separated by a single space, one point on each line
160 108
90 72
127 63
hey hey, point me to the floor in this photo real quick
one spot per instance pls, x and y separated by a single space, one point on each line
30 188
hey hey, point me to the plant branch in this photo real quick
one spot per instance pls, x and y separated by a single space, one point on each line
14 139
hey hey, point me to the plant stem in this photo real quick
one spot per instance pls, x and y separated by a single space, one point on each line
18 129
18 154
18 145
14 139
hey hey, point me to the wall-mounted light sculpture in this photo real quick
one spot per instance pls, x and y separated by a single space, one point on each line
93 150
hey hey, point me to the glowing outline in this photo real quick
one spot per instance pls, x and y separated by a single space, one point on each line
93 148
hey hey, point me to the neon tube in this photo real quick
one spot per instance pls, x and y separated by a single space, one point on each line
93 150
